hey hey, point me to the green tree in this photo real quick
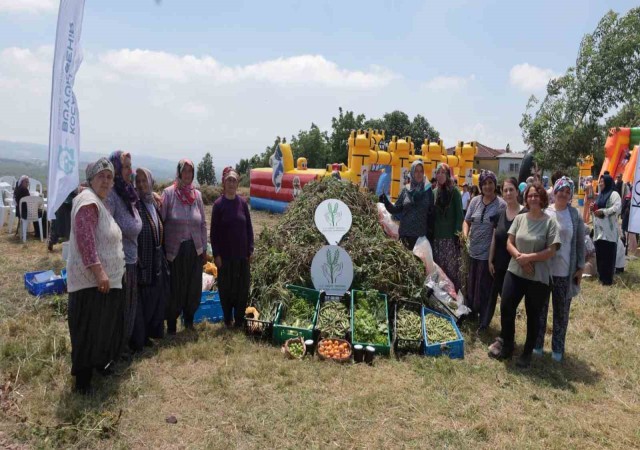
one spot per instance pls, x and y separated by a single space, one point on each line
341 127
313 145
396 123
206 172
421 129
571 120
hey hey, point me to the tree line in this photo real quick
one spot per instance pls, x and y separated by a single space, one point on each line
322 148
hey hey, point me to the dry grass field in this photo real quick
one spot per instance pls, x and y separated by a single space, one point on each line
228 392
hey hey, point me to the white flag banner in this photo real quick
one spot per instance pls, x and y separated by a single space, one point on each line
64 127
634 216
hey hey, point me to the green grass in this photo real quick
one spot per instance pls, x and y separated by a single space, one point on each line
227 391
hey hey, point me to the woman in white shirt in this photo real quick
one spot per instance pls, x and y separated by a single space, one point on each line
605 212
566 267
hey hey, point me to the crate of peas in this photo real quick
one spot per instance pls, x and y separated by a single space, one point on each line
441 335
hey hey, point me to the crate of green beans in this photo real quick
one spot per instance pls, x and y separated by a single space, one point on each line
441 335
407 328
297 314
334 318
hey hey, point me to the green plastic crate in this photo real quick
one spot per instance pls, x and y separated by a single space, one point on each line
281 332
381 349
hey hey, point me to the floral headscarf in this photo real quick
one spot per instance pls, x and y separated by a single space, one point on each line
444 194
146 197
95 168
563 183
416 188
125 190
186 192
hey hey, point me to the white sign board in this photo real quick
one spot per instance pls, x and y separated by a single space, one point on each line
332 270
634 215
333 220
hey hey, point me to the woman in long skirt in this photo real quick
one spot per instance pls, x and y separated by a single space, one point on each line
232 244
153 271
94 279
186 245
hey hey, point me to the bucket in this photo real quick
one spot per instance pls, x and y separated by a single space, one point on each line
65 251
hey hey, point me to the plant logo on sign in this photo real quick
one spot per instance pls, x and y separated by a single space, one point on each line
332 270
333 220
66 159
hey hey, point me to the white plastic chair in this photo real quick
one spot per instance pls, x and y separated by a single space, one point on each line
8 209
35 186
33 203
9 179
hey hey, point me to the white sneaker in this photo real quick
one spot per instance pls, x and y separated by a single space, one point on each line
557 357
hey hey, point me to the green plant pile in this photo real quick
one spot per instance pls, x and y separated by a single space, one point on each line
333 320
408 324
370 319
283 253
439 329
298 313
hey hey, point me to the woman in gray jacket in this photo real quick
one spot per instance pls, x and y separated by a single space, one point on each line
566 267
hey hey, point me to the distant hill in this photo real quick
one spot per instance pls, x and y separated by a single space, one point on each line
18 158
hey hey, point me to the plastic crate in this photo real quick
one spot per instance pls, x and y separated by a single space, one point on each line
281 332
45 288
381 349
346 301
210 308
63 274
405 346
453 349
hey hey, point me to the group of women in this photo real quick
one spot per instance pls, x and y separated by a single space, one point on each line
135 260
532 251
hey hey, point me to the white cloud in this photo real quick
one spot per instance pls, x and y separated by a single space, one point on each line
301 70
18 60
28 6
448 83
530 78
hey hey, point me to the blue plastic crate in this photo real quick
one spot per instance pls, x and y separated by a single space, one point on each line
45 288
453 349
63 274
210 308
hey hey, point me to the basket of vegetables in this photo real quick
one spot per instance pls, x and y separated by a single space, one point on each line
294 348
408 336
370 320
259 325
441 335
338 350
334 319
296 314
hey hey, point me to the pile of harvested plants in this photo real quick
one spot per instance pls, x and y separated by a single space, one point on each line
370 323
439 329
283 253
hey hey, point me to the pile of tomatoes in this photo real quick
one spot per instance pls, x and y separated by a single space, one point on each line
337 349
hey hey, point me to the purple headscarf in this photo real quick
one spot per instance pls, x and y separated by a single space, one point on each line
488 175
125 190
563 183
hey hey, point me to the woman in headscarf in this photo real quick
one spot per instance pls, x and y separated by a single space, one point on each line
232 246
94 279
185 244
153 270
121 202
448 225
605 211
415 204
566 267
482 215
589 196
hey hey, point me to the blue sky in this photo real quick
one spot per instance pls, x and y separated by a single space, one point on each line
183 77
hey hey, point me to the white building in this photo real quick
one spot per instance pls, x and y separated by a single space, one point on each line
509 163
